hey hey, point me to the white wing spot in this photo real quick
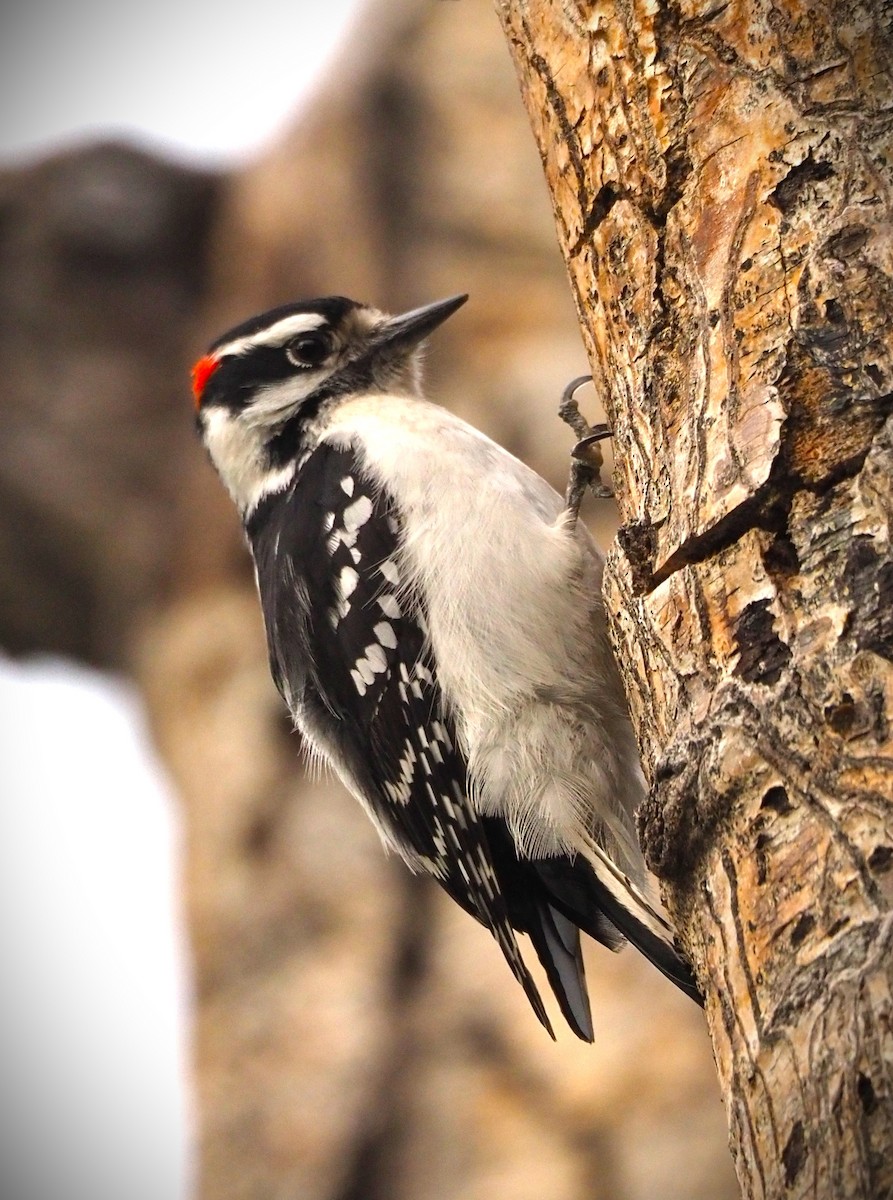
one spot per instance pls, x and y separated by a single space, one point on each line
389 606
359 682
347 581
384 631
373 663
437 838
375 657
365 670
441 734
347 485
357 514
399 793
389 569
407 773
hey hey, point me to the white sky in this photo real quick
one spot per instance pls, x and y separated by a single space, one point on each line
214 80
94 1018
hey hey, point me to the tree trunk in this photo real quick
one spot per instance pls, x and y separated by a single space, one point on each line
721 175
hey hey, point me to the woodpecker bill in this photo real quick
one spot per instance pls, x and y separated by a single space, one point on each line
436 629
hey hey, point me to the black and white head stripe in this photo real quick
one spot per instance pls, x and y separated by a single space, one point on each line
276 327
275 335
253 369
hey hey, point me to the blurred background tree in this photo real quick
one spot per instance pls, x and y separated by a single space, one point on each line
355 1038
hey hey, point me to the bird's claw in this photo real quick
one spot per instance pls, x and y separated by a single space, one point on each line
569 410
587 449
586 455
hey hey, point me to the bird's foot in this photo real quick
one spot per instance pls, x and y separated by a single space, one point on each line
586 455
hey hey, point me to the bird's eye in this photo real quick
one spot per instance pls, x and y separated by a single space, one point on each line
309 349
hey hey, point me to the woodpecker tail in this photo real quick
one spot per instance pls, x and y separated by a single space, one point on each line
552 900
556 941
598 897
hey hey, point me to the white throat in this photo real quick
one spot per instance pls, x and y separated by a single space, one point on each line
238 451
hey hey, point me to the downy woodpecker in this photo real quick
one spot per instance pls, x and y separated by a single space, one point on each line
436 628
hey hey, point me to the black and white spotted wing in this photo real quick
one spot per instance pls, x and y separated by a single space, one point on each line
328 574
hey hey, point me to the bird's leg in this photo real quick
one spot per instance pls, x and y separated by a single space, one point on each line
586 455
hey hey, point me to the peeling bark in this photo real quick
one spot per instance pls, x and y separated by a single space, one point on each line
722 178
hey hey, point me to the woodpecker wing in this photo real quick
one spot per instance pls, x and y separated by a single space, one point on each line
326 551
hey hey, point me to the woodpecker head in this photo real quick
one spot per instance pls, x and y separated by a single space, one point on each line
260 386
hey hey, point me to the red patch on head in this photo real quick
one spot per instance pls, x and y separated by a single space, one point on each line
201 373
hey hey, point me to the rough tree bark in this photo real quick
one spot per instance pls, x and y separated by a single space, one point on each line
722 177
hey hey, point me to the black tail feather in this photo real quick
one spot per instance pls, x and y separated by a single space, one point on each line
557 944
578 892
552 900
